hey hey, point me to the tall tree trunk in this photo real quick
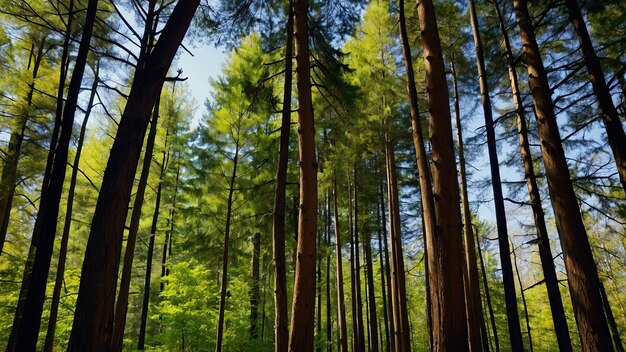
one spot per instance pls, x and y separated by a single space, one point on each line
51 199
167 246
92 326
329 329
58 283
254 289
7 180
357 268
319 287
547 263
521 289
608 112
224 283
445 251
617 340
581 269
510 298
475 318
487 294
373 323
301 338
281 329
381 258
387 239
402 332
353 288
153 230
341 304
121 306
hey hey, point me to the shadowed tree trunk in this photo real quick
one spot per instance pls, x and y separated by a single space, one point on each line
581 269
387 273
302 316
510 298
167 246
521 289
153 230
487 294
475 318
58 283
373 323
445 251
383 285
356 294
608 112
281 329
402 332
92 326
329 324
51 199
226 244
545 254
341 304
617 340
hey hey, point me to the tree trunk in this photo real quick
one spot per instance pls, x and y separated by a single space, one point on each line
581 269
58 283
254 290
617 340
510 297
329 336
92 325
381 256
356 341
487 294
341 304
50 199
229 209
445 247
357 269
281 329
153 231
301 338
545 254
402 334
167 246
121 307
387 239
8 181
373 323
521 289
475 318
608 112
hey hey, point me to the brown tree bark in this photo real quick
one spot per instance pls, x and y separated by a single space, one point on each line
387 272
224 282
51 198
487 294
521 289
153 230
581 269
93 321
510 298
121 306
383 282
356 294
475 319
402 332
254 287
67 224
614 128
545 254
341 304
371 298
302 335
281 329
329 328
445 247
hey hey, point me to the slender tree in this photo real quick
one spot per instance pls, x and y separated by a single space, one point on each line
547 263
508 279
92 326
67 224
254 287
581 269
445 246
302 310
341 305
608 112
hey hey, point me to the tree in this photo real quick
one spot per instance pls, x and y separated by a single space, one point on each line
581 269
